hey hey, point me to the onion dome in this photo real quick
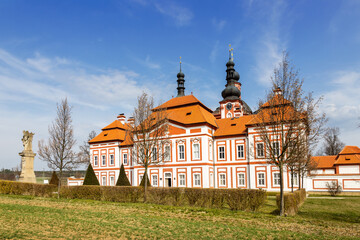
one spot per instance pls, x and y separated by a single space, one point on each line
231 92
180 81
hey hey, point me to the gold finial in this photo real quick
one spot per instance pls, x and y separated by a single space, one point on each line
231 54
180 63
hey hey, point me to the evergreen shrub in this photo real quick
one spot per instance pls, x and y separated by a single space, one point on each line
54 179
90 177
142 184
123 179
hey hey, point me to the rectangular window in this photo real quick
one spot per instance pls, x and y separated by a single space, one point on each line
104 180
240 151
294 179
277 179
103 161
211 180
140 178
154 180
222 179
182 182
210 151
222 152
261 179
167 154
125 159
260 150
154 155
196 150
181 152
112 181
276 148
241 179
96 161
112 160
197 180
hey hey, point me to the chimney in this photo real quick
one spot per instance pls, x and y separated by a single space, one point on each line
121 118
131 121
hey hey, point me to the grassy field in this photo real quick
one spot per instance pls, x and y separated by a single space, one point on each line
24 217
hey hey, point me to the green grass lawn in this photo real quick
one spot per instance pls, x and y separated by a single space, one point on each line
25 217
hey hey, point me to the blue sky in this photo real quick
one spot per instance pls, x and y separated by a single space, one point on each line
102 54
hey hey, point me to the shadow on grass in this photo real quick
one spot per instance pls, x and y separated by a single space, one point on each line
348 217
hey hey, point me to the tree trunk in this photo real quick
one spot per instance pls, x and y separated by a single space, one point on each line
282 205
145 179
59 184
292 180
299 178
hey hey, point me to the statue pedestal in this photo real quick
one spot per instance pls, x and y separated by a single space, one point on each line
27 166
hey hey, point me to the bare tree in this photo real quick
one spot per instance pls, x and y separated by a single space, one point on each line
84 154
332 144
288 121
58 151
149 134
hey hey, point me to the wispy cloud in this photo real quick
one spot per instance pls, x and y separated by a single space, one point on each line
214 52
31 87
181 15
271 42
342 104
218 24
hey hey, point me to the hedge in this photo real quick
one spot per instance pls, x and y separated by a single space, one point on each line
235 199
21 188
292 201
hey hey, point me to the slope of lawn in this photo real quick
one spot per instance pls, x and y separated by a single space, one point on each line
24 217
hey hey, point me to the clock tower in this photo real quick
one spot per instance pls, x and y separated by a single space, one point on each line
232 105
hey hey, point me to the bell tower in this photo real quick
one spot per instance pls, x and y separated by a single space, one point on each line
231 105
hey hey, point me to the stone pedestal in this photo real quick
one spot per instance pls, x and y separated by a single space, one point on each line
27 166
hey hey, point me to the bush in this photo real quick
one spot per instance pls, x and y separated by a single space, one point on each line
334 188
21 188
90 177
292 201
142 184
123 179
54 179
113 194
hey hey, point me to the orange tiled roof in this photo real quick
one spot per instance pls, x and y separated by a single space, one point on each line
232 126
192 114
181 101
350 150
127 141
275 114
114 124
276 100
115 131
324 161
348 159
109 135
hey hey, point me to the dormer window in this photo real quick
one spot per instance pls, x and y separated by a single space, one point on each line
189 113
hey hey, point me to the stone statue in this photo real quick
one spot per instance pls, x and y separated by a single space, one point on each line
27 140
27 159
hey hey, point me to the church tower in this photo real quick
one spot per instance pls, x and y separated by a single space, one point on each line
232 105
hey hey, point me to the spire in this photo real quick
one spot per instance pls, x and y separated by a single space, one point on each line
180 80
231 92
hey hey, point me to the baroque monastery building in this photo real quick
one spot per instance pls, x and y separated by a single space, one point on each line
213 149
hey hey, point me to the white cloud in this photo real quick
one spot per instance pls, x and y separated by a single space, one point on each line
218 24
214 52
342 105
268 50
31 87
181 15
